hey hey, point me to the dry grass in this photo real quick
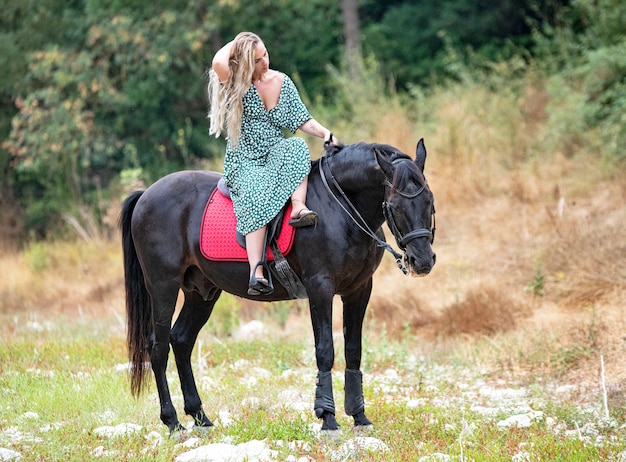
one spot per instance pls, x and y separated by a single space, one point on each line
586 256
62 277
484 310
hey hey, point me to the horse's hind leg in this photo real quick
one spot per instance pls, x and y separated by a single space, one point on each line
354 306
163 306
193 316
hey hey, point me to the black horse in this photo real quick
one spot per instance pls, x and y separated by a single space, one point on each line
354 189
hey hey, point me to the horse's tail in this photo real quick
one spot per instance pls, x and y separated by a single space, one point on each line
138 308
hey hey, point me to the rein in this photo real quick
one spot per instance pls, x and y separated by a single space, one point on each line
358 219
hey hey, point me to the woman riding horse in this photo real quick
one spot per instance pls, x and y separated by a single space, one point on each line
262 168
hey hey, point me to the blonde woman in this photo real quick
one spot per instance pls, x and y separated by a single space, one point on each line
262 168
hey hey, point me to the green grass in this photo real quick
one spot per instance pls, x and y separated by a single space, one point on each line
61 383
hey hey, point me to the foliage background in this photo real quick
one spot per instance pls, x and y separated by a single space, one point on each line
96 96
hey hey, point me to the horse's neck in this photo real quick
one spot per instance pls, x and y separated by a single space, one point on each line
362 183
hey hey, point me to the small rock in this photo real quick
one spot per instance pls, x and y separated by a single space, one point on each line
8 455
251 402
520 420
154 436
485 410
261 373
565 389
295 399
100 451
391 375
225 419
123 368
190 443
300 446
521 456
500 394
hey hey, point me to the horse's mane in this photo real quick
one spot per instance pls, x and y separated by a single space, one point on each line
405 169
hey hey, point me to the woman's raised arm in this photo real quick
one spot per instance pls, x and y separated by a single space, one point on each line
220 62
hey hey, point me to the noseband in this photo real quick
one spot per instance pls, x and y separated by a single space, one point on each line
356 217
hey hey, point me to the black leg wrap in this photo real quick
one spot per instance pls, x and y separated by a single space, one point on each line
324 401
354 401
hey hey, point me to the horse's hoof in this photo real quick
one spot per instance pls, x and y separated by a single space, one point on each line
360 420
329 422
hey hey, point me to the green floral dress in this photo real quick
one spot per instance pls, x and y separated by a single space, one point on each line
266 168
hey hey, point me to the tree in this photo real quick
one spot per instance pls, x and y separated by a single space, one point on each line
130 97
413 39
352 35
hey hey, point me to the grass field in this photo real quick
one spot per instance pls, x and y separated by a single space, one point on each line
64 386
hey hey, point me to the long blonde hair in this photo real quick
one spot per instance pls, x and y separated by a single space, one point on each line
225 98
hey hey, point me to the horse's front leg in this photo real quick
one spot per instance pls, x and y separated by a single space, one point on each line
354 306
320 301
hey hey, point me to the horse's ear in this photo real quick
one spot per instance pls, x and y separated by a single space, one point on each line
332 149
420 154
384 162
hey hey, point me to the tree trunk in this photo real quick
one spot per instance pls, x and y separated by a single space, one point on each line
352 35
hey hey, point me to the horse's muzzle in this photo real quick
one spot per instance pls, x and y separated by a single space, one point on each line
420 266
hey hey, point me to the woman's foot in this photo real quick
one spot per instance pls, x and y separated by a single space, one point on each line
303 217
259 286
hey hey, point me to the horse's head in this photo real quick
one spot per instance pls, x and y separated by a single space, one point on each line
409 207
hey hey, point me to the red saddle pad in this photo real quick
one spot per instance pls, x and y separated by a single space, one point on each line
217 234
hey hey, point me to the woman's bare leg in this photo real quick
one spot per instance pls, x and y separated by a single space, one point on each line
298 198
255 241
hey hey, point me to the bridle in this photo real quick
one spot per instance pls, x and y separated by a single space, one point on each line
357 218
403 240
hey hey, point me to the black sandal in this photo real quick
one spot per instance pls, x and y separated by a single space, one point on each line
260 286
305 217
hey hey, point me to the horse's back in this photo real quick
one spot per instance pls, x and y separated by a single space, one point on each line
184 182
178 189
171 204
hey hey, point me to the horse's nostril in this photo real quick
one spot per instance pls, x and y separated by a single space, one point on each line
434 258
